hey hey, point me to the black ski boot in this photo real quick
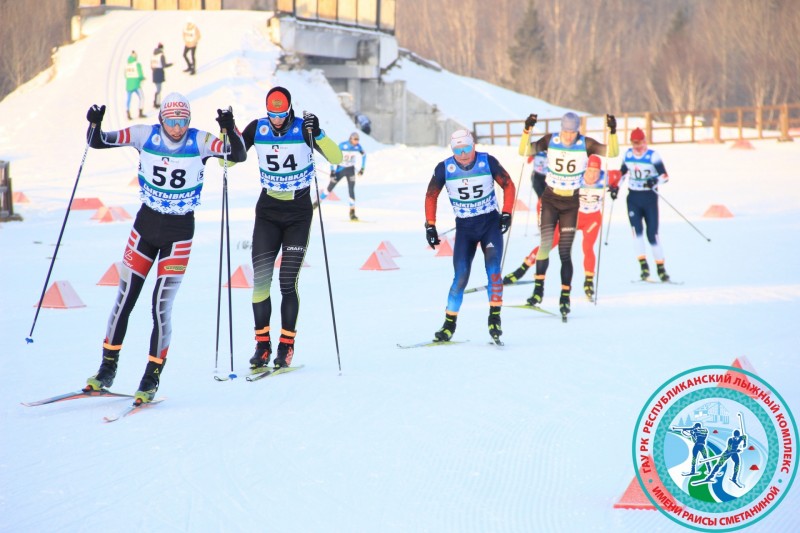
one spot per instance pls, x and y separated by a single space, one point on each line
645 269
494 323
129 115
588 287
285 354
516 275
538 293
563 303
141 114
353 216
262 355
149 383
107 372
662 272
447 330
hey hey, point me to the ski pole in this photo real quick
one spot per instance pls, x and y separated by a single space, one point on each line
610 215
513 211
600 237
324 247
448 231
683 217
528 217
29 338
224 224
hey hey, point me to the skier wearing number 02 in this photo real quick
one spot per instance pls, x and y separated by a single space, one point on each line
568 153
470 177
283 216
172 159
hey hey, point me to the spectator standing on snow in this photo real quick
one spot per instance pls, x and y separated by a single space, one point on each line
283 216
157 64
191 36
568 152
171 162
645 172
470 177
134 76
354 160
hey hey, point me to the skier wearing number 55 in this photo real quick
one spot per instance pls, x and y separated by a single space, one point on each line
283 216
470 176
172 157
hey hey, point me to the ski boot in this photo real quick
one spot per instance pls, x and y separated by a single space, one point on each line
516 275
494 324
141 114
353 216
285 354
538 293
645 269
662 272
261 357
588 287
563 302
107 372
447 330
149 383
129 115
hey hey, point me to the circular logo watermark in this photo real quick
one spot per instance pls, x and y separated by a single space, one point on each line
715 448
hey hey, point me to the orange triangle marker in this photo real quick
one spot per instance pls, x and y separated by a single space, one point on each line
111 277
718 211
444 249
379 260
743 363
110 214
20 198
520 206
79 204
242 278
61 295
387 247
743 144
634 497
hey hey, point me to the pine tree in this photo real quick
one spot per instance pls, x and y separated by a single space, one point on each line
529 50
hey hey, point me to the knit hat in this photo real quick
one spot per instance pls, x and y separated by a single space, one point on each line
279 100
570 122
461 138
594 162
637 135
175 105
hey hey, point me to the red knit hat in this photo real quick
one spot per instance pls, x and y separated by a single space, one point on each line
637 135
279 100
594 162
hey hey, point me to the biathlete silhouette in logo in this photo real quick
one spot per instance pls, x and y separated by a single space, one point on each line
731 452
698 434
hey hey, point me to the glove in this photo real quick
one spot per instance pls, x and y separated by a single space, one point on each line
432 235
95 114
333 174
611 122
505 222
651 183
311 122
361 172
614 191
225 120
530 122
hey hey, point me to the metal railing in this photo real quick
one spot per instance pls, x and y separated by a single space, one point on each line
780 122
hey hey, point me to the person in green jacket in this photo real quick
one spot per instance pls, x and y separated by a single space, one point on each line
133 83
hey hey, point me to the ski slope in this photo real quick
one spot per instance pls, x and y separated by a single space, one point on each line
469 438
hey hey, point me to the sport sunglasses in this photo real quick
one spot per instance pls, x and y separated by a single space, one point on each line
180 122
461 150
271 114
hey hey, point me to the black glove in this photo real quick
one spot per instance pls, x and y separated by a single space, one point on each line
311 122
333 174
614 191
505 222
611 122
530 122
651 183
225 120
95 114
361 172
432 235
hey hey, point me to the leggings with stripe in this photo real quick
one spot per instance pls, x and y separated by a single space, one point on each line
167 238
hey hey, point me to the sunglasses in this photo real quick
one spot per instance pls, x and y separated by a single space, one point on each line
461 150
180 122
270 114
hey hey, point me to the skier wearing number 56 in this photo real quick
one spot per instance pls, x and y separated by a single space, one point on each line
470 176
172 157
284 145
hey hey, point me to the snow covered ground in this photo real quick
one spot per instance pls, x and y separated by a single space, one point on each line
468 438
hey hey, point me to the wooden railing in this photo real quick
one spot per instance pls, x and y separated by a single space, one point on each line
779 122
